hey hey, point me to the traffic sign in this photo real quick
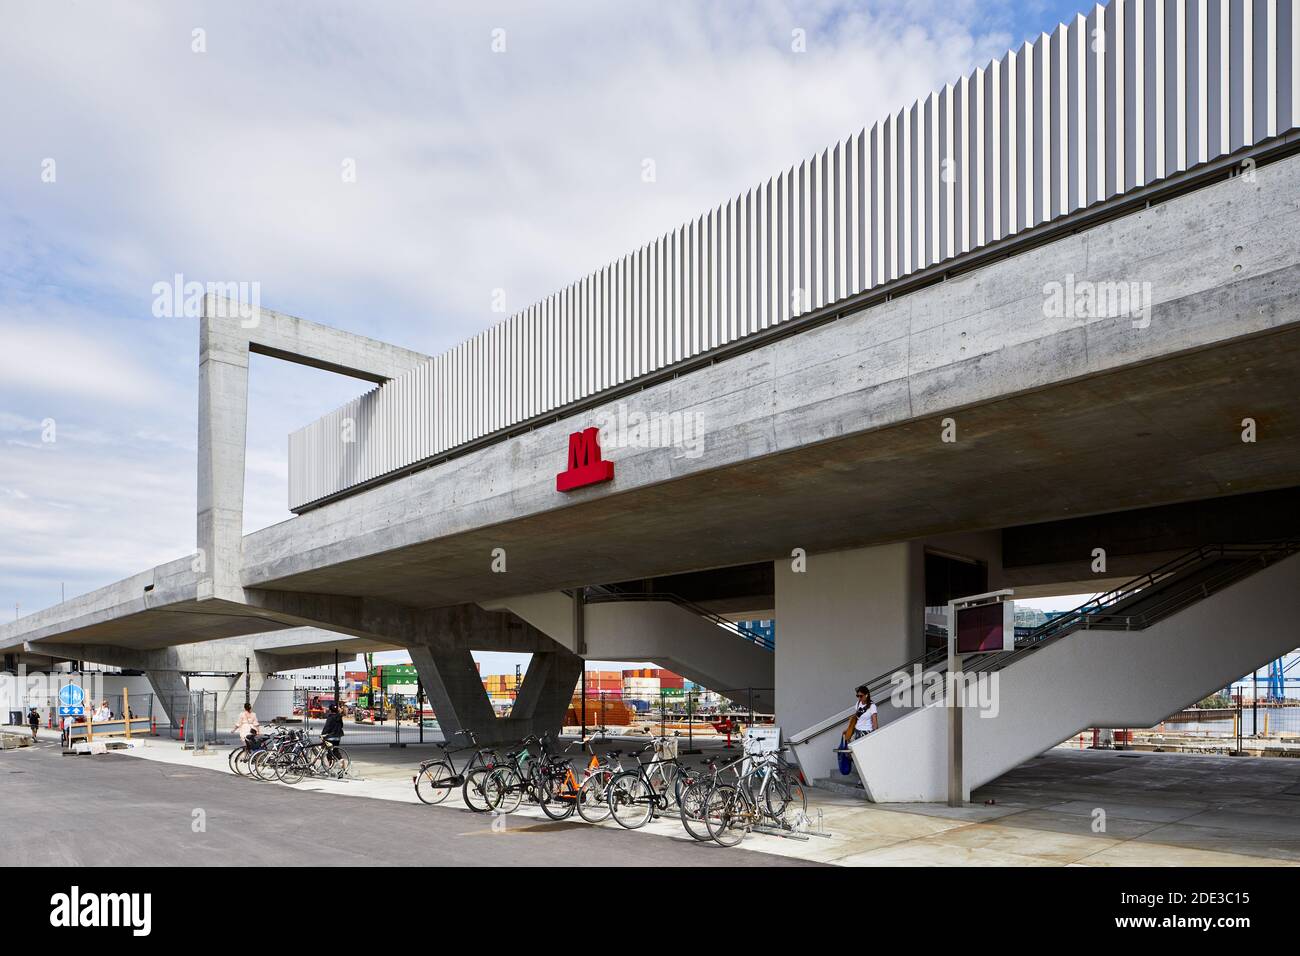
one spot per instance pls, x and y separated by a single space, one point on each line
71 695
72 711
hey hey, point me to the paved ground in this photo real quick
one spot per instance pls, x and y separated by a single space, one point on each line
117 810
1172 810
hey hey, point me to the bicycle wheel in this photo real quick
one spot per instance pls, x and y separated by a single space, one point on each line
474 791
504 790
433 783
725 812
631 799
558 797
786 800
691 809
234 757
264 765
342 763
291 769
593 802
243 763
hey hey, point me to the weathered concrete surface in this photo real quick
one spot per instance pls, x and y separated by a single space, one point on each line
831 439
227 335
658 631
1109 684
250 658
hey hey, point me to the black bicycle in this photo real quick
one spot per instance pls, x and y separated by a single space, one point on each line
522 775
635 796
436 778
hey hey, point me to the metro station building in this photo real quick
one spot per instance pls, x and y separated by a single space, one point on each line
1038 330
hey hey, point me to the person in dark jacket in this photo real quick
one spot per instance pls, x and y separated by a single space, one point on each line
33 721
333 729
332 732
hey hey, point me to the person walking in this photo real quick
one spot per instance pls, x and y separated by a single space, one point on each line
248 724
865 718
33 721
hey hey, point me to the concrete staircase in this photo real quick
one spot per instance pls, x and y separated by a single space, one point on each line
1127 660
664 631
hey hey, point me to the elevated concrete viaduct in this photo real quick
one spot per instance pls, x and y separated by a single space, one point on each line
947 378
825 441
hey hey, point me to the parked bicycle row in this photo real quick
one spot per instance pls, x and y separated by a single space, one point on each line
721 799
288 755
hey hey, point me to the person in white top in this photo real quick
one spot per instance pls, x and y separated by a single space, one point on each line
247 724
865 719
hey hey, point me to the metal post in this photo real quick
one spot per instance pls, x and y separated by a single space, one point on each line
955 794
582 733
336 677
1254 706
419 704
248 698
690 723
751 706
1239 721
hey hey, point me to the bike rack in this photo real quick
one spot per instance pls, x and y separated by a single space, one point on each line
795 833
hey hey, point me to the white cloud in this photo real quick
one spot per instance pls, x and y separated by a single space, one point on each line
475 171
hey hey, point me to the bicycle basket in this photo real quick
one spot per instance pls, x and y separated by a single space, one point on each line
666 747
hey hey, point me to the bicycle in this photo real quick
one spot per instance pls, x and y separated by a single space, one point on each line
593 795
505 788
559 786
636 795
696 784
768 793
261 762
437 777
328 759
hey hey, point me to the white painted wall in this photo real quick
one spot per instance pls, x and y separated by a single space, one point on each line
850 616
1090 679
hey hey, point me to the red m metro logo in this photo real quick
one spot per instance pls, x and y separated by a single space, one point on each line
586 467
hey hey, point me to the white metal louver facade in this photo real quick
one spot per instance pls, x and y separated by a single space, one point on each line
1131 93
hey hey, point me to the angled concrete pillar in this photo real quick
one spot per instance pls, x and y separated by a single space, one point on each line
228 332
455 690
546 693
165 669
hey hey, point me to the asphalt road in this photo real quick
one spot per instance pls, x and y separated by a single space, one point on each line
116 810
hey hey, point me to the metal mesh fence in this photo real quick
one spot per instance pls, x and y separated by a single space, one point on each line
693 715
1220 725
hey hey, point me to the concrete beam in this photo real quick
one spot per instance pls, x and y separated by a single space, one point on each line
228 333
832 438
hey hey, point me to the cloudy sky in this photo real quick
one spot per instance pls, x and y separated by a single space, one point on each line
142 140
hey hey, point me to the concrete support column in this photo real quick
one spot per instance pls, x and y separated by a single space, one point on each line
171 696
546 693
847 617
455 690
223 422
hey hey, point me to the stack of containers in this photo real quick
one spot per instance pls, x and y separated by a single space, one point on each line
607 684
671 685
500 686
641 683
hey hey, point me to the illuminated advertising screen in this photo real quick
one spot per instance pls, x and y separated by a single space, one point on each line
981 629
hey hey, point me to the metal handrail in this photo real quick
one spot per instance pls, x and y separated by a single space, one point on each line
1092 613
608 595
